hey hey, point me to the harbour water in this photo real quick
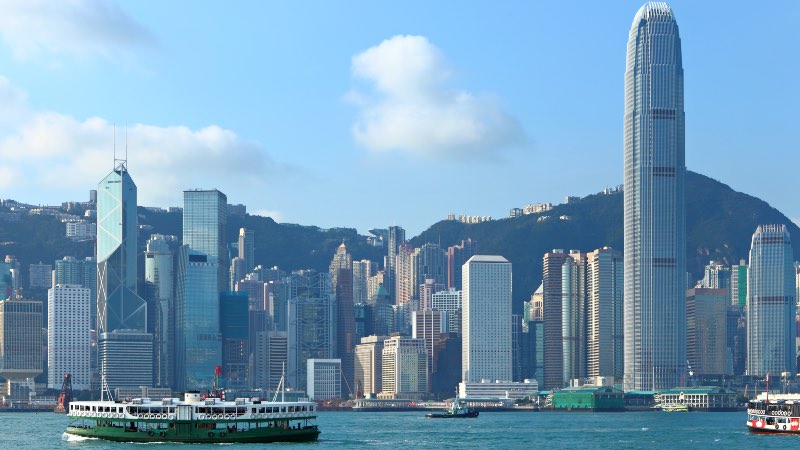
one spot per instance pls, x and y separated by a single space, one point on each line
44 431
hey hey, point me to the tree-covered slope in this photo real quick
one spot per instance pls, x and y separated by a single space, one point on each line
719 221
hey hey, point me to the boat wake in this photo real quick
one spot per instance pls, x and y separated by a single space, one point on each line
73 438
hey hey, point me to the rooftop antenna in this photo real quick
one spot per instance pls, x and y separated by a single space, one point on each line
120 164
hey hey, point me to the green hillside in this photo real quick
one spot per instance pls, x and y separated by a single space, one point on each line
719 221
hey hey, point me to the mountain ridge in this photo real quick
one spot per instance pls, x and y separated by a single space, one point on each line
720 222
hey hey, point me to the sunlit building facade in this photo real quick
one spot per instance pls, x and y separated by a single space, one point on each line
654 203
770 309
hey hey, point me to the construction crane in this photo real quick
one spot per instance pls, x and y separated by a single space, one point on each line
65 397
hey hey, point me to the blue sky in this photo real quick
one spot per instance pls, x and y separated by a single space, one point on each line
369 114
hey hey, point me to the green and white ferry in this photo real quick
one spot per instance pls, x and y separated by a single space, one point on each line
195 419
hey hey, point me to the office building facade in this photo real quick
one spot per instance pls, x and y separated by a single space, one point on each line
68 336
604 346
770 308
486 314
654 203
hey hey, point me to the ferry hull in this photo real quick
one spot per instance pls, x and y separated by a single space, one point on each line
189 434
767 430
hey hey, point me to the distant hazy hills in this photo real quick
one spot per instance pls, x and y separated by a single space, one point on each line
720 223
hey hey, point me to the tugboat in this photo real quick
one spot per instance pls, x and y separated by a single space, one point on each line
456 411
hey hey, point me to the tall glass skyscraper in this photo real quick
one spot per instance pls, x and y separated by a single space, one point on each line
205 216
770 302
655 217
198 343
123 341
118 305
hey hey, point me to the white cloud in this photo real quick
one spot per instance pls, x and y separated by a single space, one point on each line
82 28
47 151
413 108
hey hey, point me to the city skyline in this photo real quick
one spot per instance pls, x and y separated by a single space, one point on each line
249 123
208 308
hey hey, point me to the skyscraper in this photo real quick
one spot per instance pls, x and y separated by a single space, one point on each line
123 341
770 302
205 216
604 356
159 277
234 323
368 365
429 262
403 275
405 368
449 302
20 346
247 248
573 316
119 307
706 330
739 284
655 218
342 278
486 328
198 344
270 357
551 314
397 236
341 260
68 338
362 271
311 308
81 272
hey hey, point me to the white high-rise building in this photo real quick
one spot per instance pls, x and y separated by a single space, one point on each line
449 302
770 302
486 319
324 380
369 365
655 211
362 271
404 371
68 336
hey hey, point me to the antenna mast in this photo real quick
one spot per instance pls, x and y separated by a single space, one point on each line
120 164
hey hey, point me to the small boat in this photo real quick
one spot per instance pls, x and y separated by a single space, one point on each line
669 407
456 411
675 407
